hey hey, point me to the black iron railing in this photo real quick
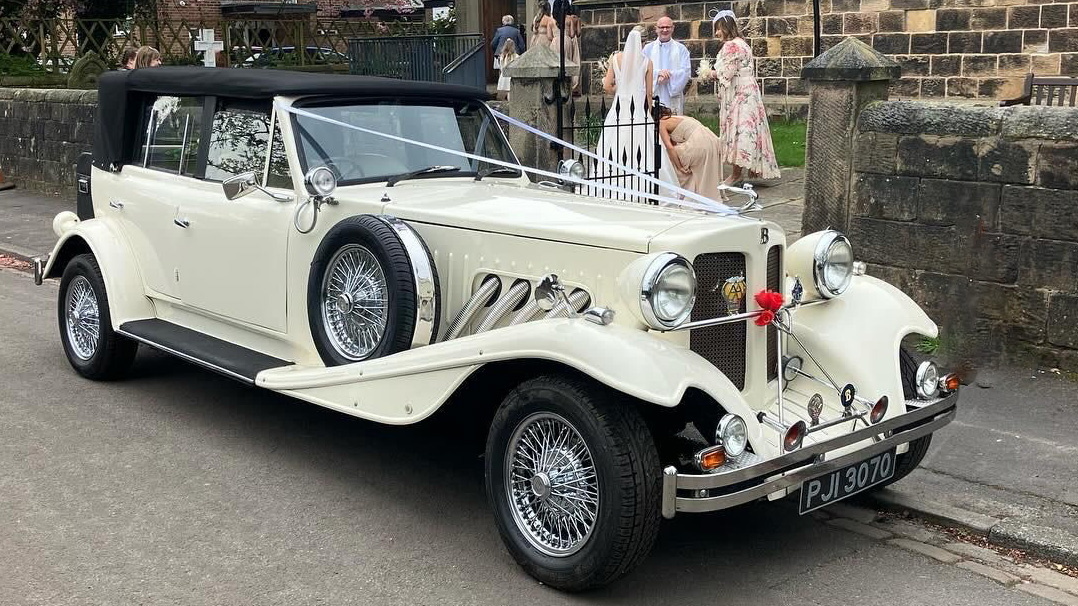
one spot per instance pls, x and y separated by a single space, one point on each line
626 133
424 58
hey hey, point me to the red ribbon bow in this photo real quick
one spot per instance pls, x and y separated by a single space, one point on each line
770 301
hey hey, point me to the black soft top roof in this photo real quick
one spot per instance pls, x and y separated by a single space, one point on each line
121 95
266 83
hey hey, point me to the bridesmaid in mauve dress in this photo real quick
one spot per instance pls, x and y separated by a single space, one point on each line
694 151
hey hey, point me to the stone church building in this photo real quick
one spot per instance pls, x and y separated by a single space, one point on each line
947 48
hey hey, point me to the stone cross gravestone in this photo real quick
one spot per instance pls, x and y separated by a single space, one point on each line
207 44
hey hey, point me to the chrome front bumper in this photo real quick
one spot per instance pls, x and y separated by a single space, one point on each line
711 492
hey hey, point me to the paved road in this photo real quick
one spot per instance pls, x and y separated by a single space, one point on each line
178 486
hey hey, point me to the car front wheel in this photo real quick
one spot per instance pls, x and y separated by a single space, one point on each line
906 462
573 478
94 350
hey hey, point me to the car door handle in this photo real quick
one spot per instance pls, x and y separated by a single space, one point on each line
184 223
116 204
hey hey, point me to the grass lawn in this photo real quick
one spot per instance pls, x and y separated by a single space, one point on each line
788 137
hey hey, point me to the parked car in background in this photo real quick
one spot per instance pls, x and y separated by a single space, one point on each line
371 246
290 55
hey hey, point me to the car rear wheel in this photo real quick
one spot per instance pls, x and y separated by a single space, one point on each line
94 350
573 478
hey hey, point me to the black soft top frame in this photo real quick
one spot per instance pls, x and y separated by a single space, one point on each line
121 96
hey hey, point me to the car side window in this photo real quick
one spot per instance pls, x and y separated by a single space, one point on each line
278 174
171 137
239 141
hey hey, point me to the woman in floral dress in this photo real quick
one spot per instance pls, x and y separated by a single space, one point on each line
745 136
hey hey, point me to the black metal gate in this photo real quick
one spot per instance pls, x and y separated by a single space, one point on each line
630 139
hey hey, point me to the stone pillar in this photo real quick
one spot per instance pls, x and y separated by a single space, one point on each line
531 100
842 81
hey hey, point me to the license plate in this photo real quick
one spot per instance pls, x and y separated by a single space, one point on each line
849 480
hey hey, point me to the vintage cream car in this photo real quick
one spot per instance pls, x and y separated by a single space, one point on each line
341 240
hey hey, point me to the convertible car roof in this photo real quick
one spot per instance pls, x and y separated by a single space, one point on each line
121 95
265 83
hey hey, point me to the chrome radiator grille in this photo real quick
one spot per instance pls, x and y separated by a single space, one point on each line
724 345
774 282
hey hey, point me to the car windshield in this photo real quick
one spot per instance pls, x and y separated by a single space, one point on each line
361 157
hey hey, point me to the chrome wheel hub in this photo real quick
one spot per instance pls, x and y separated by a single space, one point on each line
355 302
551 484
344 304
82 323
541 486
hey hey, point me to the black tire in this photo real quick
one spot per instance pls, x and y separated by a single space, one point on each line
909 460
113 354
627 470
380 239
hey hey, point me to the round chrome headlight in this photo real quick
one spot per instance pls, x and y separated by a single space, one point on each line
928 380
668 291
571 168
733 435
320 181
832 267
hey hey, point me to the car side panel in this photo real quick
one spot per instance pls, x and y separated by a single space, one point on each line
143 203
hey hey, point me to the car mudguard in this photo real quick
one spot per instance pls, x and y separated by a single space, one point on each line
123 282
856 336
408 386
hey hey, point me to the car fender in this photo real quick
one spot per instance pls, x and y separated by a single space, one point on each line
627 360
123 282
856 336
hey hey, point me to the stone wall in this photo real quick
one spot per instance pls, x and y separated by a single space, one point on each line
974 212
42 133
947 48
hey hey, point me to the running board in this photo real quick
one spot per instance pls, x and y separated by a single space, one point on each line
220 356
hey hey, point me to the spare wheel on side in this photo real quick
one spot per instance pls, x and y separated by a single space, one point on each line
372 291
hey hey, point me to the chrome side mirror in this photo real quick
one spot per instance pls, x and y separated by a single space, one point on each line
239 186
244 183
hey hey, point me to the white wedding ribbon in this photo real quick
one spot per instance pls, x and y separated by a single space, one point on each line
703 200
708 205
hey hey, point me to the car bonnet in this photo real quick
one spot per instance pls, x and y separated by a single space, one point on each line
532 212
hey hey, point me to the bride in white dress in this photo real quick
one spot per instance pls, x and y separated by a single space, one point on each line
629 134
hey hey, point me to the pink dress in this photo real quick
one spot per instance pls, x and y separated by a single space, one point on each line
746 138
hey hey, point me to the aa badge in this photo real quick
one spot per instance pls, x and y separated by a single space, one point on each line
733 290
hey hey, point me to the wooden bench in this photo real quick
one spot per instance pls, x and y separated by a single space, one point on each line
1046 91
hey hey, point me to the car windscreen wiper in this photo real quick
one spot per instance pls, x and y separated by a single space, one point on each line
497 170
390 182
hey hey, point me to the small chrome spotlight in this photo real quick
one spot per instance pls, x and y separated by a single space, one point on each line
927 380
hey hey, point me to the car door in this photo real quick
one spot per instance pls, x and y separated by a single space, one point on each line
234 252
144 196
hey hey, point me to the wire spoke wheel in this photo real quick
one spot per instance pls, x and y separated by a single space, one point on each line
355 302
82 318
551 484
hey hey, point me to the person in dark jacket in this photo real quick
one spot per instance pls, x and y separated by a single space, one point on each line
505 32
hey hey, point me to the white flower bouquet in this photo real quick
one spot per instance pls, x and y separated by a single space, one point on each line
706 70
